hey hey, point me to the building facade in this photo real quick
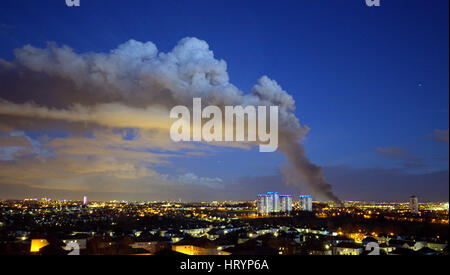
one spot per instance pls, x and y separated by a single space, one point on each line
275 201
264 204
272 202
305 203
414 204
286 203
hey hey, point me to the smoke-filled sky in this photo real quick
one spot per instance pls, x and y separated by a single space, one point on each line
85 94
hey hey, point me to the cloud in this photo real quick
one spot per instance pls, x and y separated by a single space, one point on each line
17 144
69 162
193 179
397 153
441 136
10 153
115 107
14 140
111 115
134 86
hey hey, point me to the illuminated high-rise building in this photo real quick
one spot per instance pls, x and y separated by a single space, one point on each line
263 204
414 204
305 202
286 203
84 201
275 201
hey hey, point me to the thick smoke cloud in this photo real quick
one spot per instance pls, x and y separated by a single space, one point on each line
135 85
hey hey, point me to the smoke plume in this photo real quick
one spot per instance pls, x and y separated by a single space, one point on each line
134 86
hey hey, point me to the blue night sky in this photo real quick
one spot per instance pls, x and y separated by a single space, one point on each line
371 83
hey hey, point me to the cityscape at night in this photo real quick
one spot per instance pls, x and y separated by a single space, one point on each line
223 228
224 135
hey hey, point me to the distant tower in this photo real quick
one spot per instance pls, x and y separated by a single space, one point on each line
414 204
84 201
286 203
305 203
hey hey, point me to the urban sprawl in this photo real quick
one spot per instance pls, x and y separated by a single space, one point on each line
273 224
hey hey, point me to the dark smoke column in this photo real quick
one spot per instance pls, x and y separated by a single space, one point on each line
303 168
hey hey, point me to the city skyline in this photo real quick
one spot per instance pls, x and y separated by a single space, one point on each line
363 94
296 199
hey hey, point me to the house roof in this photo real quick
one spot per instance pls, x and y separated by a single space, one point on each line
427 251
151 238
403 251
200 242
349 245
